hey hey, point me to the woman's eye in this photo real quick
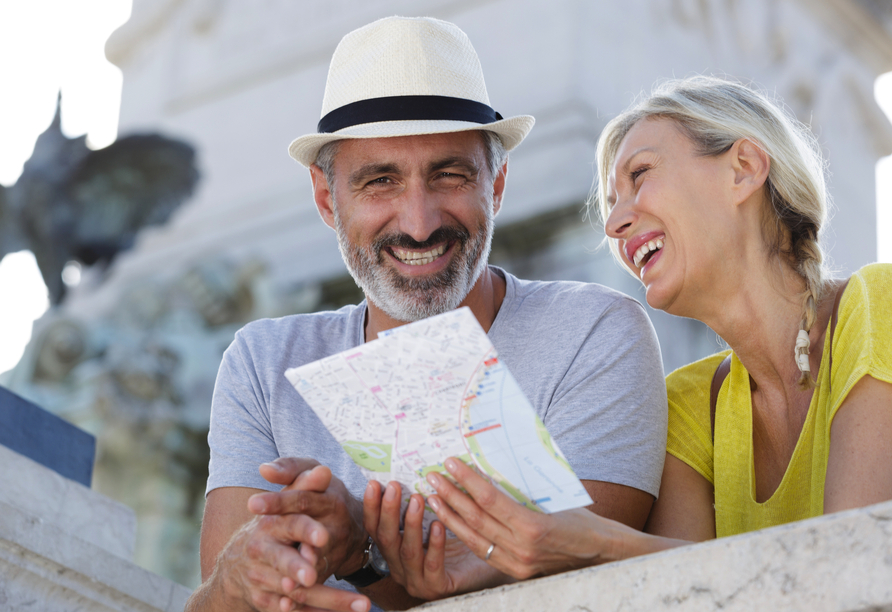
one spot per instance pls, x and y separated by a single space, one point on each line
638 172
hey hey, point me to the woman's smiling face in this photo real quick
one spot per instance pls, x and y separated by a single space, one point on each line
671 211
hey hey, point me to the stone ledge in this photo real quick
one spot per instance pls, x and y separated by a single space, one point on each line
41 562
68 505
836 563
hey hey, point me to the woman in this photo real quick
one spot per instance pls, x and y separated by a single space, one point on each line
715 199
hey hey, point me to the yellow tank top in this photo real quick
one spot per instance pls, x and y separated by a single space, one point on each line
862 344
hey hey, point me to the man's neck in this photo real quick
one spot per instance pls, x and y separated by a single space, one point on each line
484 300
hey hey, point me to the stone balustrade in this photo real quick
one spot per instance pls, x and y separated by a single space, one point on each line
836 563
64 547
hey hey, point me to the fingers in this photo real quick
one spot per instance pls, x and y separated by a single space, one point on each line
285 470
371 508
387 532
454 521
434 560
318 479
284 559
389 521
320 597
292 502
484 493
412 546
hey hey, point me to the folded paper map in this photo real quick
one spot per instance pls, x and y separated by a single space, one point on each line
401 404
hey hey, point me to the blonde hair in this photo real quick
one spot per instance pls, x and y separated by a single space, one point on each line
715 113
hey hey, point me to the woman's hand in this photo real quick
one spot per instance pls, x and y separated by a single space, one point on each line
445 568
527 543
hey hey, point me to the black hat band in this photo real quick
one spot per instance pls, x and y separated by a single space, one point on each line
407 108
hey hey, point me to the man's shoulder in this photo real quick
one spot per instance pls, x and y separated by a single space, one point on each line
309 333
571 294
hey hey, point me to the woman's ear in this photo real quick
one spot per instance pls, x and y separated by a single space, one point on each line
751 165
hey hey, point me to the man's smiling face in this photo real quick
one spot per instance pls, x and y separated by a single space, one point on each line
414 218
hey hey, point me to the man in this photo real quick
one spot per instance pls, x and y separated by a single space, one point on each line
409 168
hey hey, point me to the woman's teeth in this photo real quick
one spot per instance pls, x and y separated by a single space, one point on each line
646 249
414 258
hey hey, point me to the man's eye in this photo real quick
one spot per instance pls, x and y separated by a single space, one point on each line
450 176
381 180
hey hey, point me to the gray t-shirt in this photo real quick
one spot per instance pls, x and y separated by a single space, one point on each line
586 357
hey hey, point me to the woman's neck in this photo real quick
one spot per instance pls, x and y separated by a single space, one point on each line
760 319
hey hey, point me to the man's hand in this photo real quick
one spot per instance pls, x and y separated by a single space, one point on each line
447 567
312 491
275 562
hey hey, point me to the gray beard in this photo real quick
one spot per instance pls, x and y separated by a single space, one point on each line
411 299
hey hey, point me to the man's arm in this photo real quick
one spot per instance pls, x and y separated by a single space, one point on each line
620 503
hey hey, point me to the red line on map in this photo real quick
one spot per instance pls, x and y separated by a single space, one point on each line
474 433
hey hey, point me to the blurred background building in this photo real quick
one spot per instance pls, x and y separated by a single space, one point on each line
132 352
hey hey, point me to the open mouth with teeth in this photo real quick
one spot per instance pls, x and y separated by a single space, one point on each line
646 251
418 258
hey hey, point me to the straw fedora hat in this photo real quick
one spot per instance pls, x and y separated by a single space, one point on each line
403 76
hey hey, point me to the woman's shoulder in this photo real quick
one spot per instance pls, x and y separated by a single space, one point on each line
694 380
690 427
872 283
862 339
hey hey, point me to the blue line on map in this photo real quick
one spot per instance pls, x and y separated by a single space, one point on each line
505 375
541 500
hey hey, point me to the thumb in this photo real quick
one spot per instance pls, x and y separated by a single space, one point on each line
285 470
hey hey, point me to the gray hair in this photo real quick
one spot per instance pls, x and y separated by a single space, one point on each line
714 114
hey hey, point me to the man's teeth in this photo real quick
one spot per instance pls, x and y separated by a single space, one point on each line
414 258
645 249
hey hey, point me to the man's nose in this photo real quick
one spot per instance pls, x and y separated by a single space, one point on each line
419 214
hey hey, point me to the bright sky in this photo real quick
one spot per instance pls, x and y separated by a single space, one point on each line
46 45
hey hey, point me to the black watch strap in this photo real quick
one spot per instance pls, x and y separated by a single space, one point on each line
366 575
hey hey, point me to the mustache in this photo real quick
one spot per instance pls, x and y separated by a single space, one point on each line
439 235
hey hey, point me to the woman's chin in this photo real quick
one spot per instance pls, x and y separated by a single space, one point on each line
658 299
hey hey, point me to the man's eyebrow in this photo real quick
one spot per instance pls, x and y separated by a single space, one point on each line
367 170
454 162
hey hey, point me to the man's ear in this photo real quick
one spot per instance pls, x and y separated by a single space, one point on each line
498 188
322 195
751 165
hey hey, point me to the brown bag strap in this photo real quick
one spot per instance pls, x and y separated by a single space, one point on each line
833 320
721 373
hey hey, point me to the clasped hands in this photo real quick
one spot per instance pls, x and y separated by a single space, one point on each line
316 510
311 529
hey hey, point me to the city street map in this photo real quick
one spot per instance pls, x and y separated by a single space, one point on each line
401 404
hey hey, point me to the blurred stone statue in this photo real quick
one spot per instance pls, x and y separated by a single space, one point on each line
72 203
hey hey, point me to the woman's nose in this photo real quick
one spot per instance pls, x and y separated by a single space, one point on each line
620 220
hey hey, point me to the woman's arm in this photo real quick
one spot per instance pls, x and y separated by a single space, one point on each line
859 467
529 543
685 508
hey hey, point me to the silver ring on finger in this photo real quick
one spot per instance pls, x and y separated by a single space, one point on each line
489 550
